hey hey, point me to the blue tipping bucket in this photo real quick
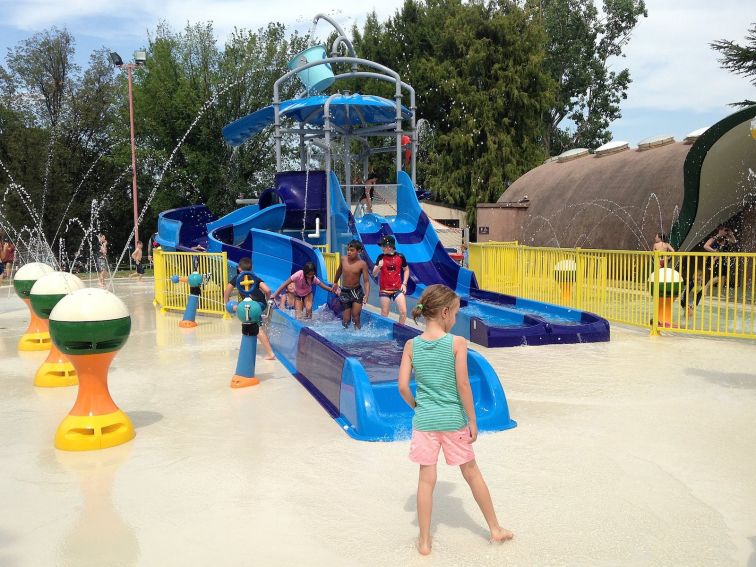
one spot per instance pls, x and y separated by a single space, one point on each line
317 78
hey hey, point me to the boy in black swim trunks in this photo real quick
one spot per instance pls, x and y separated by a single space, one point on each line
351 294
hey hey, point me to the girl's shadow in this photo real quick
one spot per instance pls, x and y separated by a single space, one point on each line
448 510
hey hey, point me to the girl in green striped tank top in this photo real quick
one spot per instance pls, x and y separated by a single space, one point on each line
444 410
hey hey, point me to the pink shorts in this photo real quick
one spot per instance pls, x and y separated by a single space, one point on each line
457 448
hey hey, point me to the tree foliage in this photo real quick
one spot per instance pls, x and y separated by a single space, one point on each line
65 133
477 68
582 44
739 59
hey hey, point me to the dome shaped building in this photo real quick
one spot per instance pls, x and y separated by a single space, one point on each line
618 198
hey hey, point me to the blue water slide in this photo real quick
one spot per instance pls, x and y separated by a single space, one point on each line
487 318
233 234
183 228
353 374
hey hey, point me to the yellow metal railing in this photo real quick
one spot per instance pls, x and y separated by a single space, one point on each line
699 293
331 260
173 296
332 263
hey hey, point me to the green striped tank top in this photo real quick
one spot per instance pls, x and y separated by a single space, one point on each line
438 405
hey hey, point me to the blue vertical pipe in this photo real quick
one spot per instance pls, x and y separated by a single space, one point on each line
245 364
190 313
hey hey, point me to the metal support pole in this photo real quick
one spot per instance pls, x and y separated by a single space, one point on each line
133 160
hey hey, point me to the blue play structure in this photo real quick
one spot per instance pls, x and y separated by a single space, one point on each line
353 374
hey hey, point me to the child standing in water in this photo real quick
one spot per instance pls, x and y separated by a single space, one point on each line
303 281
444 412
351 294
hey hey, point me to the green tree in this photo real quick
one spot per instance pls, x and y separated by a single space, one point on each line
56 126
187 92
739 59
477 68
581 45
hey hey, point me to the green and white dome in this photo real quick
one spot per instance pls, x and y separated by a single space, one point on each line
90 321
670 282
27 275
50 289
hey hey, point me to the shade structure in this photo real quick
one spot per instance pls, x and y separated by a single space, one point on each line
345 110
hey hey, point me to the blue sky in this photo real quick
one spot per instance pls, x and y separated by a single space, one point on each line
677 86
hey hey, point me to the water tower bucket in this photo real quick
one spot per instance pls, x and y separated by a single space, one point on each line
317 78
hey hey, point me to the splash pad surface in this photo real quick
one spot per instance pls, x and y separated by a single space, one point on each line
633 452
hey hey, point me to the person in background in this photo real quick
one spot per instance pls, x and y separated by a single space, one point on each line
3 244
102 258
696 278
444 409
287 298
368 192
136 255
7 257
661 243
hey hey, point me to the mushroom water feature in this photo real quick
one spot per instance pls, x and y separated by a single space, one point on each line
565 273
670 286
90 326
37 335
57 370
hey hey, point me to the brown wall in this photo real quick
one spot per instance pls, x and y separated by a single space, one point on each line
503 224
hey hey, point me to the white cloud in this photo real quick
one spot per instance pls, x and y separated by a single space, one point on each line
671 62
33 15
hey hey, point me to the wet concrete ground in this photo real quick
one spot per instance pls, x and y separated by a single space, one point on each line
639 451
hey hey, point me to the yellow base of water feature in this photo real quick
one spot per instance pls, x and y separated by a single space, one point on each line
56 375
35 341
93 432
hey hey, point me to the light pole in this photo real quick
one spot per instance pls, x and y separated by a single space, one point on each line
140 58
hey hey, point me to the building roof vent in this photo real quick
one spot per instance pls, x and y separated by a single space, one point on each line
610 148
655 142
569 155
693 136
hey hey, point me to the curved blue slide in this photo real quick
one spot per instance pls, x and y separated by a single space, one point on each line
353 374
487 318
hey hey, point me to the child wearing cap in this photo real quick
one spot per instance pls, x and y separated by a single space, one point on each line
394 275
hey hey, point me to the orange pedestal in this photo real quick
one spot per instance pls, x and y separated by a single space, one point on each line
37 335
94 422
56 371
665 312
566 288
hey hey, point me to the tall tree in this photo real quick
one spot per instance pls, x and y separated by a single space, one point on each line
477 68
739 59
43 65
187 92
581 44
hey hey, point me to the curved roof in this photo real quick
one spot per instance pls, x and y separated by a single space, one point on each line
346 110
621 201
616 201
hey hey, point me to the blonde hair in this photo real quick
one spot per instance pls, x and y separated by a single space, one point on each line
434 299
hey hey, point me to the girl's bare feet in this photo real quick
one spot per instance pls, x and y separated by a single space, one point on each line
499 535
270 356
424 547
